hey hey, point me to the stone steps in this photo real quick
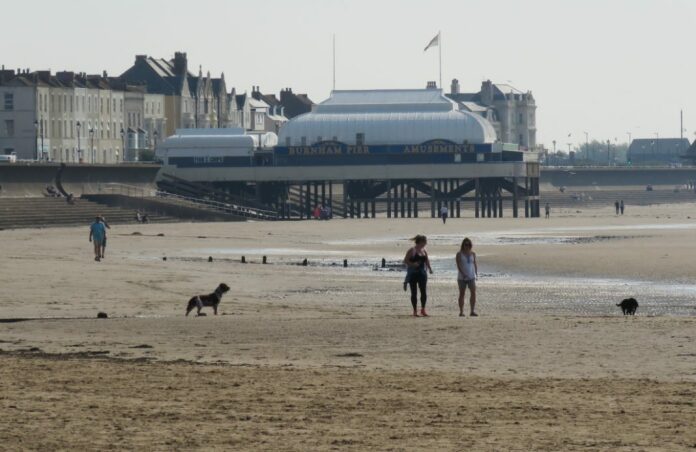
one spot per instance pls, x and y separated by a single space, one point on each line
48 212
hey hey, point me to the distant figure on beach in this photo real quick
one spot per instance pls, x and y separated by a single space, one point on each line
418 266
616 206
138 217
547 209
70 199
106 226
621 207
466 276
97 232
444 212
316 213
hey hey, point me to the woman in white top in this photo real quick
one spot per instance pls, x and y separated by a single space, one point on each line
468 272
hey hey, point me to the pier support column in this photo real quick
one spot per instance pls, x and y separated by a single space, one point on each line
432 199
331 198
477 196
514 197
308 202
415 202
526 198
374 208
323 193
402 201
500 203
389 199
408 201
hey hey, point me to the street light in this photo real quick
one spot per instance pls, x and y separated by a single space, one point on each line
91 145
79 148
123 143
36 139
587 145
155 134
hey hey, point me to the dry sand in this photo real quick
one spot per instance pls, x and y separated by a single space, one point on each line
323 357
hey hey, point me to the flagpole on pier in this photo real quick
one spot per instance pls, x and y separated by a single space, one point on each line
334 62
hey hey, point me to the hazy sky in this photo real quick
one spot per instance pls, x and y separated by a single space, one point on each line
607 67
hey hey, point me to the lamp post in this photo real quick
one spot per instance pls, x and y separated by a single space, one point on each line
36 139
91 144
156 135
79 148
123 143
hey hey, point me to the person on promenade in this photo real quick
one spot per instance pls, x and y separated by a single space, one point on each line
621 207
467 274
547 208
106 226
97 232
444 213
616 206
418 266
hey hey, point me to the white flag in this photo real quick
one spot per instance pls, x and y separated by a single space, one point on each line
433 42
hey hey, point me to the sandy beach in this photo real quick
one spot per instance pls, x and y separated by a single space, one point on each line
323 357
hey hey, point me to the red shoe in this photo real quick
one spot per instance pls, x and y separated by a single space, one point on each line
423 313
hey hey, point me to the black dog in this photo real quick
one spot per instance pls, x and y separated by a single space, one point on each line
628 306
213 299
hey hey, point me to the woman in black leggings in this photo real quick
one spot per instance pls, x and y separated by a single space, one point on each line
418 266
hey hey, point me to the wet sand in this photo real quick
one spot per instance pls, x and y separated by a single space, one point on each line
323 357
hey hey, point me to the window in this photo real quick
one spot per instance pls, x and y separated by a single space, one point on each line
72 101
9 101
304 141
40 102
519 118
521 141
359 139
121 105
9 127
114 106
288 141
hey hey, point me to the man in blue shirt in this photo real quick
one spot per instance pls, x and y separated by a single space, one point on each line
97 234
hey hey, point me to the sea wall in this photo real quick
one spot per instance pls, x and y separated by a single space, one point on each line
30 179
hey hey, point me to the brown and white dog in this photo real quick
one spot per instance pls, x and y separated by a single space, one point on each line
213 300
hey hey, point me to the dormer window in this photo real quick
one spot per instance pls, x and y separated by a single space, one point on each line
359 139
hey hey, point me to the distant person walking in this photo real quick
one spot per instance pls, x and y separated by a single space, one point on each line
621 207
616 206
444 213
547 209
466 276
418 265
97 233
